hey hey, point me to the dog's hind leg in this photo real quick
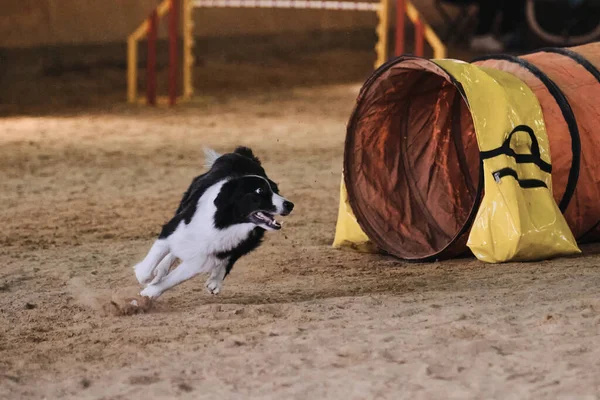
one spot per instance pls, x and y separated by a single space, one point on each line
183 272
144 269
163 268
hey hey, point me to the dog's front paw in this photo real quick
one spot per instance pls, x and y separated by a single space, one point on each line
213 286
151 291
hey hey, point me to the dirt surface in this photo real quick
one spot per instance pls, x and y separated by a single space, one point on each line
83 194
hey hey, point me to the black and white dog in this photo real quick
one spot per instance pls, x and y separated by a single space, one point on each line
222 216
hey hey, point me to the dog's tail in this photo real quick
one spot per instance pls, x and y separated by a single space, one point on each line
210 156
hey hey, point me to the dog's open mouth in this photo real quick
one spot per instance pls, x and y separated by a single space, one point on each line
265 219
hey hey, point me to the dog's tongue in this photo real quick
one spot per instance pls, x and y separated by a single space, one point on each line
269 220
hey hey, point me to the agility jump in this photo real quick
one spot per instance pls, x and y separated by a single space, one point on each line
148 30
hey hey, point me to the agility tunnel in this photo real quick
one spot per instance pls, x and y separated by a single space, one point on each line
499 157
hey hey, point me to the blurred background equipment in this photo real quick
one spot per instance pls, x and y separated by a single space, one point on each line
564 22
524 24
148 30
56 54
458 18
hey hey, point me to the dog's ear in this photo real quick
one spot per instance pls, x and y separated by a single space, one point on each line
247 152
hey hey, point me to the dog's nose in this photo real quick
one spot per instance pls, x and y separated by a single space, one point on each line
288 206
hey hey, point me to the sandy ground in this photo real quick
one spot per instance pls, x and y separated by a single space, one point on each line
83 194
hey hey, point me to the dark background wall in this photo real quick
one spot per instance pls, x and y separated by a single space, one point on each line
29 23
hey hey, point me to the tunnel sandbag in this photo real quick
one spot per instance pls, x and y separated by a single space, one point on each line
412 167
566 82
348 233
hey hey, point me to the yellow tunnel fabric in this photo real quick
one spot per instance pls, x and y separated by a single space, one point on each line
518 218
347 232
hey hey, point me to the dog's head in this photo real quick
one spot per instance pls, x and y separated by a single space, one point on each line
250 199
249 196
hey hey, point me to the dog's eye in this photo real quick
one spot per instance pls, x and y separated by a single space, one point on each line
259 191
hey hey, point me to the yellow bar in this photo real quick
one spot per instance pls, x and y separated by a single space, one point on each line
412 12
132 51
382 30
163 8
439 50
141 31
131 69
188 45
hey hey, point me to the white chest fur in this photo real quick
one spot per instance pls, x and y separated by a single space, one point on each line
200 238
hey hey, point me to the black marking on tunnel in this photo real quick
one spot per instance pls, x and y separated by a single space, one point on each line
568 115
524 183
505 149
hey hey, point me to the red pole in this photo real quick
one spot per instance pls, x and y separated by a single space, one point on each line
151 60
419 36
400 18
173 14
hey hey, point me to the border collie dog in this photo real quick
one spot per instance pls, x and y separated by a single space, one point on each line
222 216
